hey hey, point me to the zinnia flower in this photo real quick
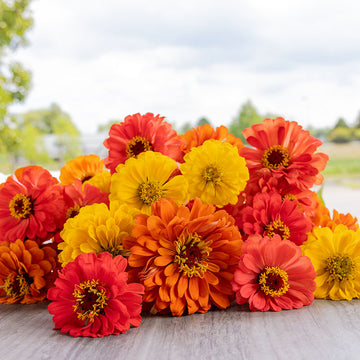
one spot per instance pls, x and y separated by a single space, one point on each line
196 137
101 181
335 255
31 206
215 172
82 168
97 229
270 215
283 147
273 275
26 271
91 297
142 181
137 134
185 258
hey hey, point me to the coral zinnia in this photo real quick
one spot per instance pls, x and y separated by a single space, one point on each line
137 134
31 206
91 297
335 255
82 168
185 258
215 172
283 148
196 137
144 180
270 215
26 271
273 275
97 229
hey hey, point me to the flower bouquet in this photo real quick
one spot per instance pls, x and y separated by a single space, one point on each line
176 224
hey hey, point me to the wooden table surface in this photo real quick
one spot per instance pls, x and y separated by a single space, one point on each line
324 330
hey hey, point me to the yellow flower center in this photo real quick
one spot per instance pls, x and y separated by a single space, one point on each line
191 255
73 211
17 285
290 197
21 206
212 174
273 281
340 267
137 145
150 192
275 157
277 227
90 300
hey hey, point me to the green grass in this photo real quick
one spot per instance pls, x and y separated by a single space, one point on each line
343 166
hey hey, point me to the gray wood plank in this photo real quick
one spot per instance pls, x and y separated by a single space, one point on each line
323 330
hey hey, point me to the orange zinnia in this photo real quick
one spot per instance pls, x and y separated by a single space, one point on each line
82 168
26 271
185 258
196 137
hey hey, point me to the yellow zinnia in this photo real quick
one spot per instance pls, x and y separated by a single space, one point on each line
101 181
335 255
97 229
144 180
216 172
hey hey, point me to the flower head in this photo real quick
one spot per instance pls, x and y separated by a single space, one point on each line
335 254
185 257
82 167
273 275
283 147
91 297
196 137
26 271
97 229
270 215
144 180
137 134
31 206
215 172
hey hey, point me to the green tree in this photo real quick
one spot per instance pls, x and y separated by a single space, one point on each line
341 123
202 121
36 125
15 20
341 134
248 116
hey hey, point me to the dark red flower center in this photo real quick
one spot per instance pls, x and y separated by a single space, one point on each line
191 255
90 300
17 285
273 281
137 145
279 228
275 157
21 206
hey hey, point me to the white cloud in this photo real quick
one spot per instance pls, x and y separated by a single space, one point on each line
113 58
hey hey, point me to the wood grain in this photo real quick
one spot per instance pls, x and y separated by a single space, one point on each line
323 330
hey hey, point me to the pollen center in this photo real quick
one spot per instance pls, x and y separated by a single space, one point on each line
90 300
340 267
137 145
212 174
150 192
191 255
17 285
273 281
73 211
21 206
275 157
277 227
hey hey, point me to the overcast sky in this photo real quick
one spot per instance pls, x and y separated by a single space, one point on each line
102 60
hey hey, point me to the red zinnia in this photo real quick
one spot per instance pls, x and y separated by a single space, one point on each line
283 147
31 205
91 297
139 133
270 215
273 275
